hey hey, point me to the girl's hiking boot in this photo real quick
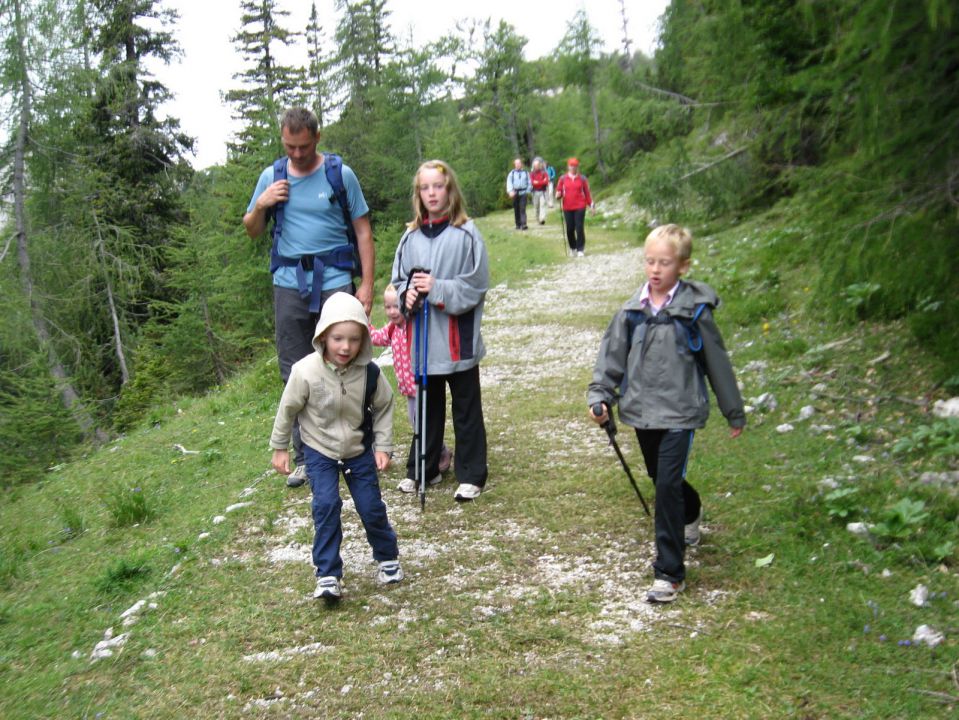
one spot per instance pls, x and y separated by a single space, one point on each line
691 531
664 591
390 572
328 589
466 492
409 485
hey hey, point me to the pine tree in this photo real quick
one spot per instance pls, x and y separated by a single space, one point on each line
578 52
320 84
267 87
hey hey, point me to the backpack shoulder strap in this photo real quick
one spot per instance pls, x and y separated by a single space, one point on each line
333 166
372 379
279 173
634 319
276 212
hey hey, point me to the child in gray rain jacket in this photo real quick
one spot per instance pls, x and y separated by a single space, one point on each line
654 360
345 409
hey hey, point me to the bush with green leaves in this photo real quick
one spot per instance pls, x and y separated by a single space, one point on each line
937 439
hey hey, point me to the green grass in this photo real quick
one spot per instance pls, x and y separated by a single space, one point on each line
527 603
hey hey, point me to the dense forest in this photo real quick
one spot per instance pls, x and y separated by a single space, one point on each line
126 277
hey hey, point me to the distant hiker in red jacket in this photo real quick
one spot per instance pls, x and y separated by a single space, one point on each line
540 182
573 189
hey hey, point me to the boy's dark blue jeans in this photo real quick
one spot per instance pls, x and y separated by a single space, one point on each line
666 453
364 487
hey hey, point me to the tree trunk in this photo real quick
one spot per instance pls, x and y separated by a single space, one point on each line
597 133
68 394
114 317
211 339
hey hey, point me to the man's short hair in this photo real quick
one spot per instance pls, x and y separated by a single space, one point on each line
299 118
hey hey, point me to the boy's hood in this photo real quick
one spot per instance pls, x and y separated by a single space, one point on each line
688 297
342 307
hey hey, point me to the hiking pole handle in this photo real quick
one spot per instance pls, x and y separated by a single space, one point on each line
597 410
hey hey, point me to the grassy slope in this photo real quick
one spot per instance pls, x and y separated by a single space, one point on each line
526 604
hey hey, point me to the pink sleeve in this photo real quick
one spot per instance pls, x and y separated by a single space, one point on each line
381 337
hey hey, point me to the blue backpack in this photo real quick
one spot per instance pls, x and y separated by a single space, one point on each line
343 257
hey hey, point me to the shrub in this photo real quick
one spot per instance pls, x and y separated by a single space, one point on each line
127 506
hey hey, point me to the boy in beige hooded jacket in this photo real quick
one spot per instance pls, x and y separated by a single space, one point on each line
326 391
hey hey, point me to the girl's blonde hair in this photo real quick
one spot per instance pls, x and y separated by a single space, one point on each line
677 236
456 206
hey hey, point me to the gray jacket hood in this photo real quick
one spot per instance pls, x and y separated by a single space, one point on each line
343 307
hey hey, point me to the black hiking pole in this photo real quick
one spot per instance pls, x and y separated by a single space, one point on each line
611 432
562 223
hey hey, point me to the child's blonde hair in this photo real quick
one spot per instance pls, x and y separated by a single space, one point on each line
456 206
677 236
389 289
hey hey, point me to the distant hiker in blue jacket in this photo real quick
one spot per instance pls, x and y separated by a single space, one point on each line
518 187
443 242
314 231
654 360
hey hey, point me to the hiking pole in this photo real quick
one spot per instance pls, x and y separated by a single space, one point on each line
421 333
423 352
611 432
562 222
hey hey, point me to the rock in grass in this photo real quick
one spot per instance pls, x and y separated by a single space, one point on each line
925 634
940 478
946 408
919 595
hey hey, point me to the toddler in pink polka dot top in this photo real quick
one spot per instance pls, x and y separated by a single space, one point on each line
393 335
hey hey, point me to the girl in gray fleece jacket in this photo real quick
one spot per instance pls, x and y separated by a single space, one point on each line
654 360
327 392
446 250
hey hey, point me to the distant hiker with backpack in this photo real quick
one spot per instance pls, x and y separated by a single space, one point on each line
320 222
345 409
654 360
573 190
518 187
539 179
441 261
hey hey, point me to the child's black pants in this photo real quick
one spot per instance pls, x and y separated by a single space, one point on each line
469 429
677 502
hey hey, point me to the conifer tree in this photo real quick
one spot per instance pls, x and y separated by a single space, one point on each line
267 86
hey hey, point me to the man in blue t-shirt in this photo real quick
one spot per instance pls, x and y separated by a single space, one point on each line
313 225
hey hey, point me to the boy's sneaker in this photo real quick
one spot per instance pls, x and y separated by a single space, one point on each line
328 588
664 591
390 572
409 485
297 477
691 531
466 492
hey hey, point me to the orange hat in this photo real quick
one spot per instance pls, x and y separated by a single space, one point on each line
573 161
